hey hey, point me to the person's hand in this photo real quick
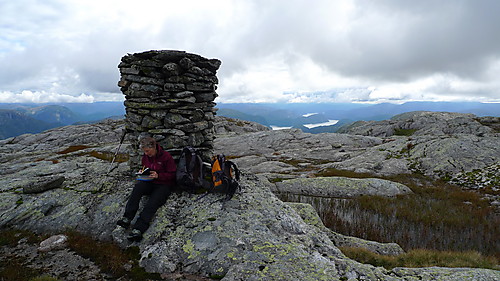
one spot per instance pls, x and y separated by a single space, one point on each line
153 174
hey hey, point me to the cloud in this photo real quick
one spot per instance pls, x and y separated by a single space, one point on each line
295 50
391 41
42 97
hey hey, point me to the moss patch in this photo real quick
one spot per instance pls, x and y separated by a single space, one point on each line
404 132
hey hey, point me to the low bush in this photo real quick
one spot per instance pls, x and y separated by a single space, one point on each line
462 220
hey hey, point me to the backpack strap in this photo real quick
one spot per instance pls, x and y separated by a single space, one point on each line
199 167
192 152
217 169
233 166
182 168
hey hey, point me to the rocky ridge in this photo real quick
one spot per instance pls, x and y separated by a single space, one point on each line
340 187
450 146
255 236
225 126
422 123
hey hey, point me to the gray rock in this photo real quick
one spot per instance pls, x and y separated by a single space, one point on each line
254 236
418 123
230 126
446 274
436 156
341 187
62 264
43 184
55 242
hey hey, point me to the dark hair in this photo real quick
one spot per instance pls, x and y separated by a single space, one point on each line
148 142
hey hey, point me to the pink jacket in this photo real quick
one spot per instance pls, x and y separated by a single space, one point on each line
163 164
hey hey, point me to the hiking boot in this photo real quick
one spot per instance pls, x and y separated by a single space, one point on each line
124 222
135 235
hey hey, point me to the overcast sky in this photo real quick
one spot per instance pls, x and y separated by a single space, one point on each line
271 50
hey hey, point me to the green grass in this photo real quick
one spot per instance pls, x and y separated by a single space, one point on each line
275 180
106 156
422 258
332 172
432 206
404 132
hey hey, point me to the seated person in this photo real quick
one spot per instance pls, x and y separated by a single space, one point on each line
158 186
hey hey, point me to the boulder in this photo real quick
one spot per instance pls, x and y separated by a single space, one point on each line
341 187
43 184
55 242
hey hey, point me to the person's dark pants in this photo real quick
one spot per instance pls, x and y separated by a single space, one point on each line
158 194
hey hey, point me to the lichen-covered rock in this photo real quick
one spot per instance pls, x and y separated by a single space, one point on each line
438 156
254 236
43 184
238 238
231 126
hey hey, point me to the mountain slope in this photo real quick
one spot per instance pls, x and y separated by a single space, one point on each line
14 123
53 114
299 114
34 118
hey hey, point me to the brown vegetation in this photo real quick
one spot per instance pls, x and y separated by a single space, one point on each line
422 258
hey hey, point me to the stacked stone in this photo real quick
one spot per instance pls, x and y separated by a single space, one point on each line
170 96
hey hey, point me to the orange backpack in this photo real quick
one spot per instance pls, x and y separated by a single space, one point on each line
225 176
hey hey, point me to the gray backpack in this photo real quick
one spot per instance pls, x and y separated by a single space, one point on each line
190 174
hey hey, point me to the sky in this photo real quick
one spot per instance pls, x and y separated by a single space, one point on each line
271 50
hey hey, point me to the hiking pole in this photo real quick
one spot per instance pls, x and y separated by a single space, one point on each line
101 185
124 132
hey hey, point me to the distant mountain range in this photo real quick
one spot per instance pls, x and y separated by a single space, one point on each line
297 115
16 119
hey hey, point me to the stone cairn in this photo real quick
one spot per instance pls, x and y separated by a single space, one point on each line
169 95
